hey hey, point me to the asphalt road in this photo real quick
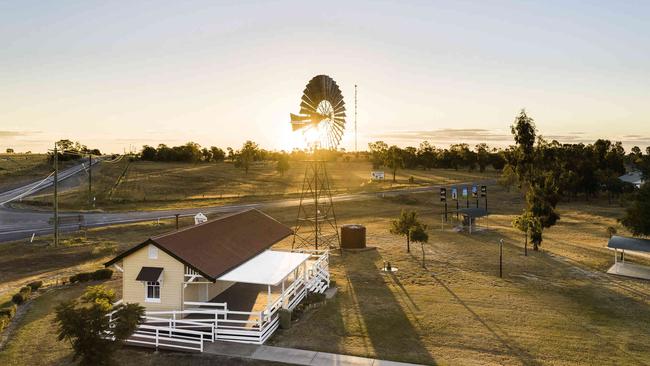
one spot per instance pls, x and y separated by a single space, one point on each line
21 223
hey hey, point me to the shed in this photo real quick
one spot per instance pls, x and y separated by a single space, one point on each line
470 215
623 268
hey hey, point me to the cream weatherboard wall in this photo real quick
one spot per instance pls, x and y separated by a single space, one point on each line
205 291
171 287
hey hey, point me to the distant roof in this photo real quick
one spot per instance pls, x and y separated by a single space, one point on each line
217 246
473 211
267 268
633 244
635 178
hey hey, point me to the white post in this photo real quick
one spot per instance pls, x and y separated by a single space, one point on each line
268 300
282 296
156 338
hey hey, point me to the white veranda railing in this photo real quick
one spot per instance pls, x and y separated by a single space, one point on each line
205 321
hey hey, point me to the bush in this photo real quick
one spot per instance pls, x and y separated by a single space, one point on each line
285 318
8 311
4 321
25 290
35 285
314 298
102 274
19 298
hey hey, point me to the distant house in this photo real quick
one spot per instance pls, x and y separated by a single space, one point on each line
221 270
635 178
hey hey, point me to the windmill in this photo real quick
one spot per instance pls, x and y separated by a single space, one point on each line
322 122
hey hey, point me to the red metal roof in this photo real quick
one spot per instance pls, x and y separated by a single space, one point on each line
220 245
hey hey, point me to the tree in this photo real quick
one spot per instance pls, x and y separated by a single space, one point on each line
508 177
217 154
393 159
482 156
538 170
403 224
248 154
378 152
637 214
87 325
418 234
148 153
282 164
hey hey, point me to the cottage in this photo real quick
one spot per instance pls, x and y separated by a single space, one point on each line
220 277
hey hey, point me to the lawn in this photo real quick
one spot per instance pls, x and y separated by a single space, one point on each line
555 306
154 185
35 342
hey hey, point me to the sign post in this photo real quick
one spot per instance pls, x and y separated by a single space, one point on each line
475 194
466 195
443 198
484 195
454 196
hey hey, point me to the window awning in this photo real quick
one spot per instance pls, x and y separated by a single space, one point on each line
267 268
149 274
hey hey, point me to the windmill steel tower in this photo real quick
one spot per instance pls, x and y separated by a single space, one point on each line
322 116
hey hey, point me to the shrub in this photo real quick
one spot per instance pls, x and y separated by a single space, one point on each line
19 298
8 311
102 274
4 321
25 290
314 298
35 285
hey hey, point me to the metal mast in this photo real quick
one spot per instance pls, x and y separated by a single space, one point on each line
322 109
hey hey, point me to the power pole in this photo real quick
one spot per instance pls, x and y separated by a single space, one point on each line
56 197
355 119
90 180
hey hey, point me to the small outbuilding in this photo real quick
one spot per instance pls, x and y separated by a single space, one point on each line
470 216
635 245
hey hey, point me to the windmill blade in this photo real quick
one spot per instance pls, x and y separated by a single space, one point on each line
306 105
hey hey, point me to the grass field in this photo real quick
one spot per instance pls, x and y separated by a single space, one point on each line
553 307
154 185
17 169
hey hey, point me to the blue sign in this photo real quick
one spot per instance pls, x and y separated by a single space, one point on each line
454 193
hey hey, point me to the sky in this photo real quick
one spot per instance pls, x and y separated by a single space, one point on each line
117 75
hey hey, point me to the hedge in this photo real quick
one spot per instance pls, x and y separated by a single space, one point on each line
19 298
8 311
100 274
35 285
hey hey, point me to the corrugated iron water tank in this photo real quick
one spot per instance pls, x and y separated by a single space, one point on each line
353 236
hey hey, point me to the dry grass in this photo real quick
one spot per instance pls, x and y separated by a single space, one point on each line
552 307
141 185
17 169
35 343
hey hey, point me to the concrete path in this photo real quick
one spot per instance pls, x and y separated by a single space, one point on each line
292 356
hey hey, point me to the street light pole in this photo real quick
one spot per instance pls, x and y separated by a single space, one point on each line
500 258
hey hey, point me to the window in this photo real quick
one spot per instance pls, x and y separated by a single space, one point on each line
153 292
153 252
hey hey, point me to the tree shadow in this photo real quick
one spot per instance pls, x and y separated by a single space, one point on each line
389 330
525 357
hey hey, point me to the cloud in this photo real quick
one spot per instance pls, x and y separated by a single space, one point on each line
495 137
446 135
13 134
